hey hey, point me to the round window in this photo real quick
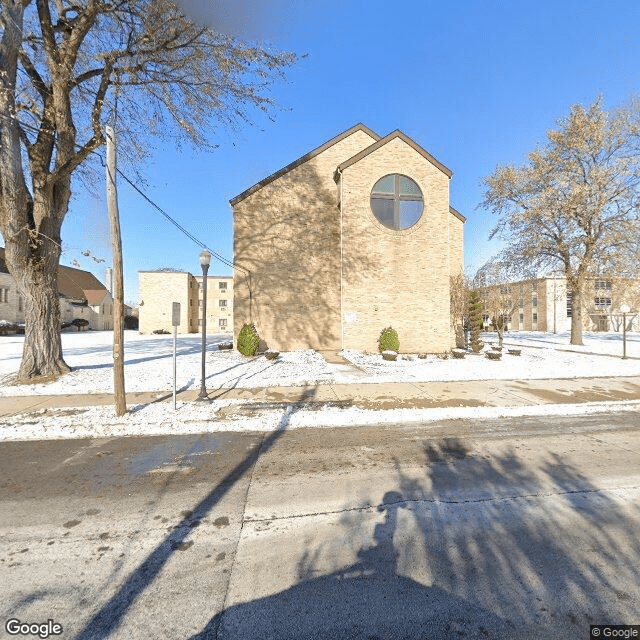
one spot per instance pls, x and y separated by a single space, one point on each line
396 201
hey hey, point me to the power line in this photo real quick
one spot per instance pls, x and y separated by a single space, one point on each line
226 261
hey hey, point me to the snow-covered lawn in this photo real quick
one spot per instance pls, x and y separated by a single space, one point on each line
149 367
149 363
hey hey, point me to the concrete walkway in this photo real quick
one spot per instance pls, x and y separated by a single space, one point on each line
409 395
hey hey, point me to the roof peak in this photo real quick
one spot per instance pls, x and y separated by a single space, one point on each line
306 157
397 133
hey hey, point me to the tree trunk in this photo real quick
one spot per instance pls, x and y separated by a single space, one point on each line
32 258
576 316
36 276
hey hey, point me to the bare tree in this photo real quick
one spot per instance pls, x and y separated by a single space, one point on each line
500 298
575 205
459 300
59 64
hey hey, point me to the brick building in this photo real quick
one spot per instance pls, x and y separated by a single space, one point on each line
159 289
353 237
82 295
546 304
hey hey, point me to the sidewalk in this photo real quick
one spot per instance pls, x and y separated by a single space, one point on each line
402 395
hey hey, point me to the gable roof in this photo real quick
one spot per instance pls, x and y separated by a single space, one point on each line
392 136
72 283
303 159
78 284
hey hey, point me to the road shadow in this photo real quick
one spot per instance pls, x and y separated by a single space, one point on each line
348 603
111 614
525 553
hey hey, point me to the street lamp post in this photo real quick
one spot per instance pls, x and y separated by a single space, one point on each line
205 259
625 309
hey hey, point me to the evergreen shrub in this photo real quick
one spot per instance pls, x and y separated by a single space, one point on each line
248 340
475 321
388 340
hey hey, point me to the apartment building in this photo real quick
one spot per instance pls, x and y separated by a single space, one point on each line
546 304
158 290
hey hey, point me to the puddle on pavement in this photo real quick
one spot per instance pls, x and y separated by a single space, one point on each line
179 453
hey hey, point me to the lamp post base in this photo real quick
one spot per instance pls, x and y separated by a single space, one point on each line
203 395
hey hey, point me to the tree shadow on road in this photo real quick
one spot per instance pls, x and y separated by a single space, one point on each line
524 553
111 614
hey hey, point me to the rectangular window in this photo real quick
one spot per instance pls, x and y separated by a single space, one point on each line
4 294
20 304
222 303
569 304
505 290
222 323
534 302
521 318
603 303
521 303
604 285
222 286
535 317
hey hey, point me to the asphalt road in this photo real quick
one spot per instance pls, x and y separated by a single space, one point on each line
522 528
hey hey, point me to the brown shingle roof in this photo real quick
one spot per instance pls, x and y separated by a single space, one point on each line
457 214
303 159
73 283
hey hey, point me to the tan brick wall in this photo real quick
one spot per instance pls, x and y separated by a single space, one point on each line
456 245
215 312
396 278
157 291
288 235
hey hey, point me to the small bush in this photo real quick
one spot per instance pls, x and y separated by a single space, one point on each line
131 322
248 340
388 340
389 354
271 355
458 354
493 355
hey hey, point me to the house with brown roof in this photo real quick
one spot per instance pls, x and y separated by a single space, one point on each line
353 237
82 295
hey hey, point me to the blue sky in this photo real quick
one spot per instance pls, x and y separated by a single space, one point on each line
475 82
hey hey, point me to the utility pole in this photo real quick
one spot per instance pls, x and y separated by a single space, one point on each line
118 281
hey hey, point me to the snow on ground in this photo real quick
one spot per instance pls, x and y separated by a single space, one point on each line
149 363
191 417
149 367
